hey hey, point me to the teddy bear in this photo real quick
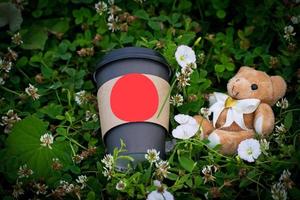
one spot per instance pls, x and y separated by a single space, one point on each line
245 111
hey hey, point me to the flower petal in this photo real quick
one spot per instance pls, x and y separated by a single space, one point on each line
246 106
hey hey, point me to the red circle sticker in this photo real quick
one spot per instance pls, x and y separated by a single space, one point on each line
133 98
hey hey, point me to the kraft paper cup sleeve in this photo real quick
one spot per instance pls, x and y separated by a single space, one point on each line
107 118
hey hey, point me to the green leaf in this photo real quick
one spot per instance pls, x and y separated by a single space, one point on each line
52 110
187 163
91 196
288 120
142 14
35 38
60 25
221 14
11 15
24 144
154 25
22 62
219 68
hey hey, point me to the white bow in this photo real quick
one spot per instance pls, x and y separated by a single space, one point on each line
236 109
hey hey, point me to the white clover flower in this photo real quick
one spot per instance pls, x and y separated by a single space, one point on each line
280 129
32 91
121 185
107 173
264 146
185 55
17 39
207 171
108 161
152 155
249 150
82 179
278 191
188 127
46 140
81 97
285 175
68 187
176 100
289 32
113 24
18 190
24 171
41 188
5 65
183 79
295 19
2 81
162 168
282 103
205 112
101 7
156 195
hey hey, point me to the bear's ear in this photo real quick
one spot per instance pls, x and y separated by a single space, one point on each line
279 88
244 69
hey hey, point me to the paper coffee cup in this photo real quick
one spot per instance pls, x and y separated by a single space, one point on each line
133 84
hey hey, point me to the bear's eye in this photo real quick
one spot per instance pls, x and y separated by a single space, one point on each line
254 87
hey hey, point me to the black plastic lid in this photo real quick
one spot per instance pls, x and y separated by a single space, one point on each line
131 52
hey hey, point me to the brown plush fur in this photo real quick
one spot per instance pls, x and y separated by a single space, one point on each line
270 90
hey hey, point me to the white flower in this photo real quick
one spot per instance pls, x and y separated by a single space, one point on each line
152 155
285 175
107 173
162 169
283 103
157 183
5 65
185 55
289 32
47 140
32 91
185 119
68 187
41 188
121 185
176 100
108 161
264 146
18 190
156 195
82 179
183 79
205 112
280 129
81 97
236 109
188 127
249 150
278 191
207 171
295 19
17 39
101 7
2 81
24 171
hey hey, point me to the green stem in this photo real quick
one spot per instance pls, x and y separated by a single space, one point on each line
166 99
24 74
11 91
